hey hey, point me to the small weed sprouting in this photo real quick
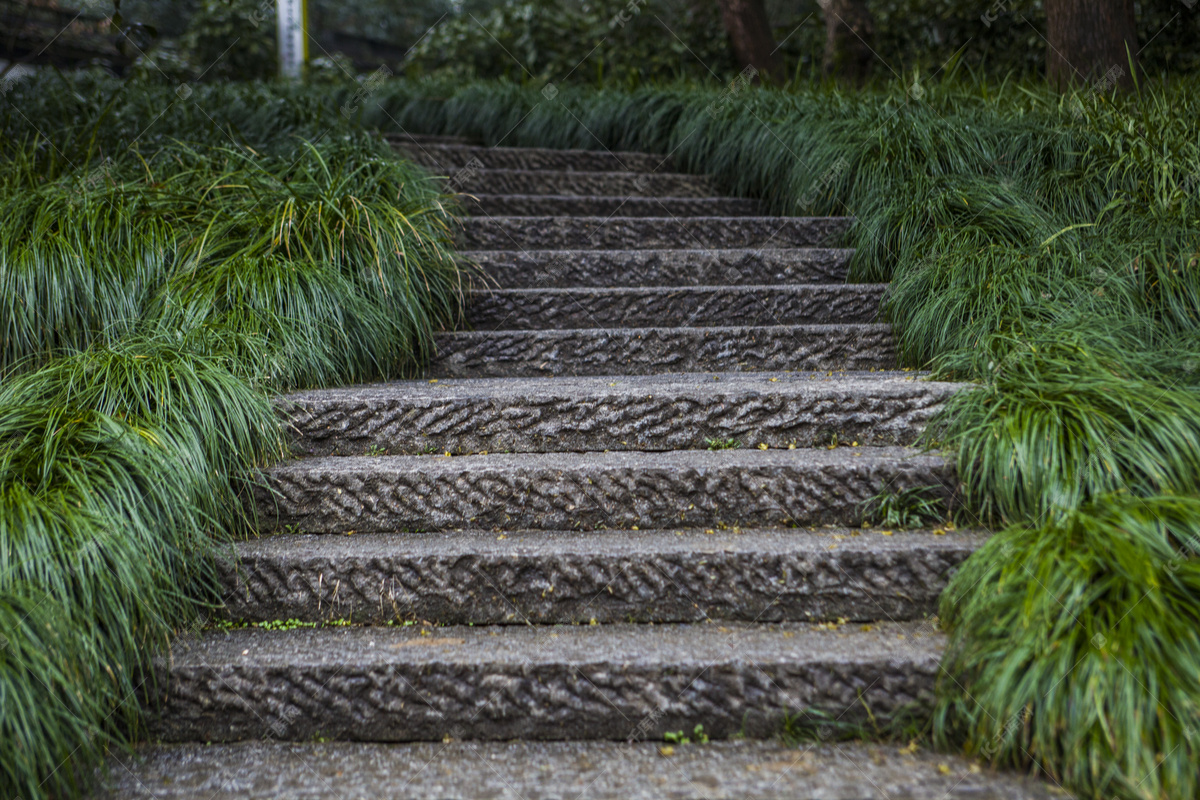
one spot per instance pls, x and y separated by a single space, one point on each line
678 737
722 444
908 508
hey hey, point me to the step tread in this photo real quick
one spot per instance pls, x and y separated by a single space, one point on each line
745 458
651 232
650 412
447 156
642 351
582 184
556 770
620 644
630 205
522 577
662 267
437 544
555 490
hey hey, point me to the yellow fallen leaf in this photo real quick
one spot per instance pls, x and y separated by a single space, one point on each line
762 446
944 769
666 750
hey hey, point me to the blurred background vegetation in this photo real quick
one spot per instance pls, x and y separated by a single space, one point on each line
577 41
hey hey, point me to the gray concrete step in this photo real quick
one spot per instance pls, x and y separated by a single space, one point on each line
674 306
649 233
449 158
653 412
478 577
400 138
649 351
537 682
638 770
581 491
544 205
582 184
565 269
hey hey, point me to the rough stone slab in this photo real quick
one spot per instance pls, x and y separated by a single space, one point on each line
746 770
564 269
650 233
649 351
543 205
478 577
401 138
674 306
449 158
654 412
539 682
583 184
570 491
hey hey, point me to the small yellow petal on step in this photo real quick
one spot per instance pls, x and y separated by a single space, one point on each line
944 769
762 445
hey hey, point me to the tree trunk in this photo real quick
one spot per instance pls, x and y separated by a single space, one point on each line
750 34
1086 41
849 39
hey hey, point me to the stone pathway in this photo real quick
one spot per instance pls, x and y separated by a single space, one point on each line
626 502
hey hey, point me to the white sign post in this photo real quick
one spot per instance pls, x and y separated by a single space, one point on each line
293 37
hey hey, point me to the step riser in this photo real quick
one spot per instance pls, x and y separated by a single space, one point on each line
321 497
650 351
580 587
629 308
349 426
566 269
583 701
580 184
650 233
515 205
449 158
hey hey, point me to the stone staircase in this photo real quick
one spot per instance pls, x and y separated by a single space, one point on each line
625 502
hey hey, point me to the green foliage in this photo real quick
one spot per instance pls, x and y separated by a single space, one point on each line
908 508
1075 644
230 40
152 294
581 40
679 737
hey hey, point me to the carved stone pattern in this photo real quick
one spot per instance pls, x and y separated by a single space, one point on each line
540 205
579 587
322 496
644 351
602 268
597 699
631 308
588 233
585 184
351 426
448 158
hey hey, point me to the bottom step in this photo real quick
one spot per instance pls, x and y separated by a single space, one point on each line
541 771
425 683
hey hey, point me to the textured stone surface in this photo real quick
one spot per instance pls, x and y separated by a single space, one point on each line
544 682
648 351
652 233
674 306
615 576
583 184
448 158
568 491
745 770
652 412
407 138
542 205
602 268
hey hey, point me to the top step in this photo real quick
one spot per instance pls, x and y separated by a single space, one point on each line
450 158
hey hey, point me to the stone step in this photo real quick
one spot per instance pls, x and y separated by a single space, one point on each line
537 682
543 205
673 306
565 269
581 491
653 412
649 351
581 184
638 770
479 577
649 233
405 138
448 158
